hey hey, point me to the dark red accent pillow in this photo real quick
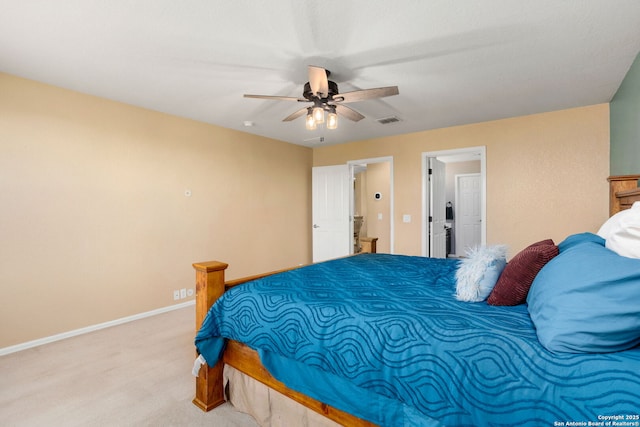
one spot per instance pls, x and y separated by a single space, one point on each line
542 243
516 278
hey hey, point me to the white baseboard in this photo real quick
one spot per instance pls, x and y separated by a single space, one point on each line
29 344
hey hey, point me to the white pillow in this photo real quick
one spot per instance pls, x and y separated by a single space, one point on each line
622 234
613 223
479 272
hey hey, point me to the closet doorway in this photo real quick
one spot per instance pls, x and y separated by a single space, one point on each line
459 162
468 219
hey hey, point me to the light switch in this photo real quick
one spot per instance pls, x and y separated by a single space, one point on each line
406 218
380 216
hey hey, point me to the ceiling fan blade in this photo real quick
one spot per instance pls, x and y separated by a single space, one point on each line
318 81
295 115
349 113
361 95
277 98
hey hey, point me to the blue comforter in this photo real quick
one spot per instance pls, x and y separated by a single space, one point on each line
382 337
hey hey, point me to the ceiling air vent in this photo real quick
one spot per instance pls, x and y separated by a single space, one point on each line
388 120
314 140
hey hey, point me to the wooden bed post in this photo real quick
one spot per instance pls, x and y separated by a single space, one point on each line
209 287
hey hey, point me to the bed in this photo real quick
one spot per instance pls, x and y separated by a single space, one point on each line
379 339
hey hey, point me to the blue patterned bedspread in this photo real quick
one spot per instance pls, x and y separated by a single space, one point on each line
383 337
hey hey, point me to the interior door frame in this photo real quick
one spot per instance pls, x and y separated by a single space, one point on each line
470 153
352 165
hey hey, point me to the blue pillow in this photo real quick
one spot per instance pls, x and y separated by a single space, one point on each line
587 299
580 238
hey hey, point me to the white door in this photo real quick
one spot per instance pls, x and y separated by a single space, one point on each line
437 232
330 212
468 216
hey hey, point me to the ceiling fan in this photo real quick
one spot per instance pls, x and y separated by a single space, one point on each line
324 95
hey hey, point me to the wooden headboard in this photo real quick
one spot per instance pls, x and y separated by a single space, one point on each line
623 192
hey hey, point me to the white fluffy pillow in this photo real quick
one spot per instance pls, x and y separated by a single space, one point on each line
479 272
622 232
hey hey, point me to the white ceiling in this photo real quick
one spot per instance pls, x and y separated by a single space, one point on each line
455 62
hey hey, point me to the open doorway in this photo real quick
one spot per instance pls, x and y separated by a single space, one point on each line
453 201
372 204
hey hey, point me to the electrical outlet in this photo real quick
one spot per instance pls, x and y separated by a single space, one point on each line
183 293
176 295
189 292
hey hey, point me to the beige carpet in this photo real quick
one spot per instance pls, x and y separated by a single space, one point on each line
136 374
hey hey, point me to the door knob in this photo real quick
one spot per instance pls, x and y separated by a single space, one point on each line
316 226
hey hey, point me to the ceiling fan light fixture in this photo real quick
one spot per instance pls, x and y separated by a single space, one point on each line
318 114
310 122
332 119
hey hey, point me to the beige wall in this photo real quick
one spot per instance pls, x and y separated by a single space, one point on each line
95 225
546 174
94 222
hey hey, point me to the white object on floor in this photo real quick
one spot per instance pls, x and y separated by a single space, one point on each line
197 364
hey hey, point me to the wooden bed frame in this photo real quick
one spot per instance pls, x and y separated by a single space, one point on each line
624 190
210 285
